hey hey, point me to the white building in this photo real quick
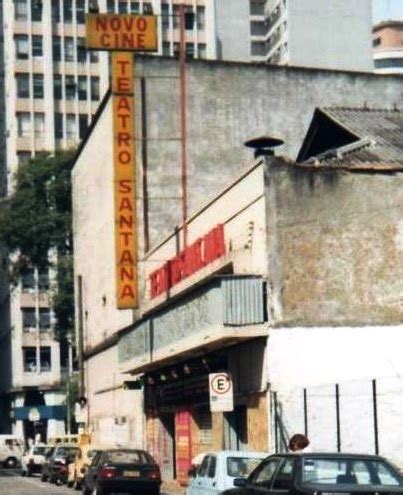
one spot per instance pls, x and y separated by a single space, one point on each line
388 47
335 34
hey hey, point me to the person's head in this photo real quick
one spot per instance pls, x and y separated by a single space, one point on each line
298 442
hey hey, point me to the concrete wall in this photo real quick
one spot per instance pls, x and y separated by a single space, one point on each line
335 247
335 34
229 103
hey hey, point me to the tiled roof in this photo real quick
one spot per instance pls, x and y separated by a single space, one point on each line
379 144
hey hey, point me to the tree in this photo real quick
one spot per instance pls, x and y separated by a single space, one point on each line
35 220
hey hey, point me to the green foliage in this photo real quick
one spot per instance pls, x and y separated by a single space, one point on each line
37 218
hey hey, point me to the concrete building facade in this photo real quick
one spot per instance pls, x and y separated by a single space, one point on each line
388 47
333 35
266 218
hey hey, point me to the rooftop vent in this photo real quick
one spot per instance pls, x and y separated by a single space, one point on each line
264 145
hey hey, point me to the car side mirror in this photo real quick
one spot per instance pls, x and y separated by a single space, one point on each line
240 482
192 472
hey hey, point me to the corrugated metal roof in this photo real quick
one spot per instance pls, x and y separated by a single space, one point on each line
379 144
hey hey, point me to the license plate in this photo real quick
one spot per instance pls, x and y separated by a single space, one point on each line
131 474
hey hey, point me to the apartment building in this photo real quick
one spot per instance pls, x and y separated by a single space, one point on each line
335 34
388 47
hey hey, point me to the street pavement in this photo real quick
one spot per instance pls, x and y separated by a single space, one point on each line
11 483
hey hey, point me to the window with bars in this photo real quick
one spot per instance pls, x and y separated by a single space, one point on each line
22 81
80 12
29 359
37 45
20 10
38 83
67 11
82 88
45 358
81 50
21 46
70 87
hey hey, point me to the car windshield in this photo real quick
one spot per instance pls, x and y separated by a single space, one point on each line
39 450
126 457
66 451
241 467
349 471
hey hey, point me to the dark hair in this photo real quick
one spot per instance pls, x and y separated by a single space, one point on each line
298 442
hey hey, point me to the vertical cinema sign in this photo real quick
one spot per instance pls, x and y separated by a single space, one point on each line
123 35
124 179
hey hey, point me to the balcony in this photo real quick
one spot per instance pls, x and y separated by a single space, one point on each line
225 311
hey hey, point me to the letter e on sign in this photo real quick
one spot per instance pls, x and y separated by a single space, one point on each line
221 392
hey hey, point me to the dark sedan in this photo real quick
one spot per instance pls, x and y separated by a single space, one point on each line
122 471
321 474
56 463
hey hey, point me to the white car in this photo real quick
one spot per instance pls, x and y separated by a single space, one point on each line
11 450
217 471
32 461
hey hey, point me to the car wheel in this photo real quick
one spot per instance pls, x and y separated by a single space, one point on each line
10 463
44 477
58 481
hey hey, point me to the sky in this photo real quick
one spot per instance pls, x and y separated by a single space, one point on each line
387 9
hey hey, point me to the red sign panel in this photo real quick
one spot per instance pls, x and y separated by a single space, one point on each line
194 257
183 445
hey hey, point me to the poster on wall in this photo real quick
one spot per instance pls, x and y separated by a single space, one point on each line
183 445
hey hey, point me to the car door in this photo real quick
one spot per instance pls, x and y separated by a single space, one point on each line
210 486
260 481
283 480
92 471
197 485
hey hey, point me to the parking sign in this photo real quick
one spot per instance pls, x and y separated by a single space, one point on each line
221 392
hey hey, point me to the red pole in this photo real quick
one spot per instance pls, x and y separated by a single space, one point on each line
182 63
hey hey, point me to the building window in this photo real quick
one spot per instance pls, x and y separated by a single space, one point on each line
37 46
58 126
94 88
70 87
43 281
68 49
80 13
82 88
57 86
147 8
389 63
28 318
57 48
23 124
45 358
110 7
21 46
82 125
23 157
28 280
22 85
29 358
134 7
20 10
81 50
257 7
94 57
166 48
38 86
190 50
201 50
70 126
44 319
123 7
68 11
55 11
165 15
39 124
201 17
176 17
36 10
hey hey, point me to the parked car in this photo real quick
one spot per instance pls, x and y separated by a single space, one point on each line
218 470
32 461
79 466
320 473
55 467
11 450
122 471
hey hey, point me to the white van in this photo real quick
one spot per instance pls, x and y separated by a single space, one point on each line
11 450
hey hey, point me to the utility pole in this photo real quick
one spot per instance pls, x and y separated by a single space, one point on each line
182 63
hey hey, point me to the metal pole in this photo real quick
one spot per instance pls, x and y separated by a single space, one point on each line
275 422
182 63
305 413
81 384
374 401
338 418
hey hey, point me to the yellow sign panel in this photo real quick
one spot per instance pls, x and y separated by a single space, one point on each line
121 32
124 180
